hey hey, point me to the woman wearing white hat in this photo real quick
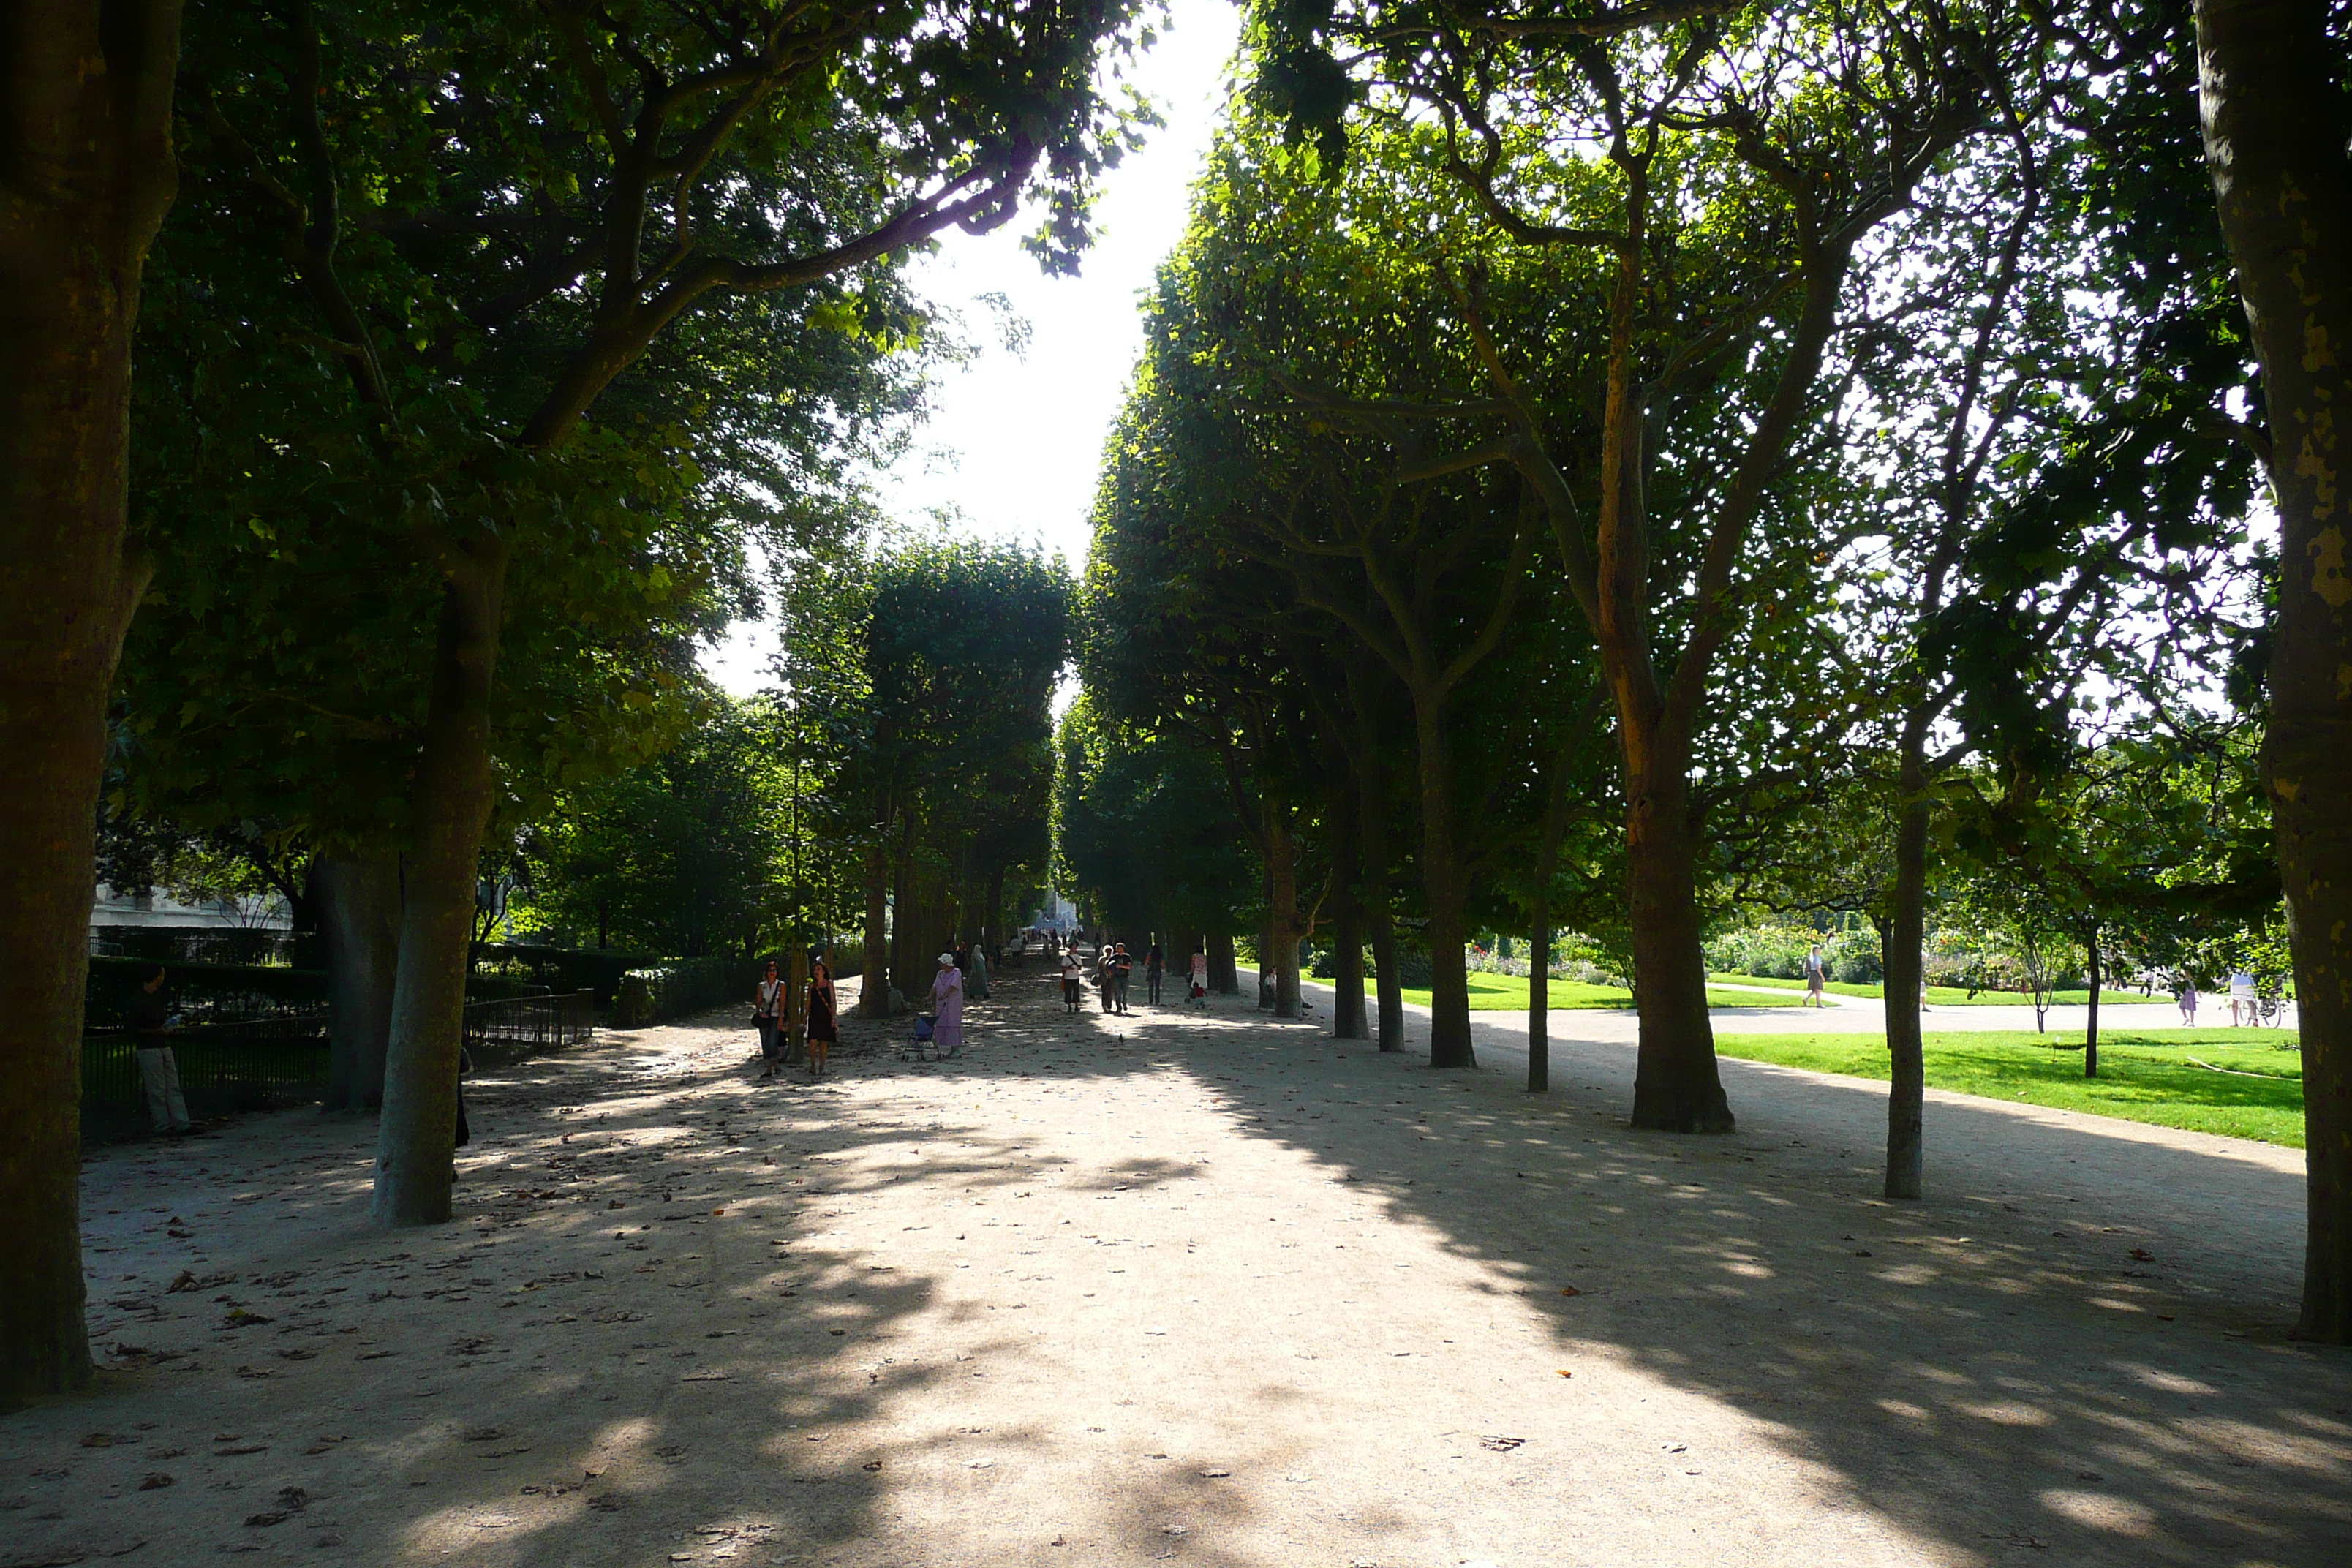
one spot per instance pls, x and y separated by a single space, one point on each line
947 1000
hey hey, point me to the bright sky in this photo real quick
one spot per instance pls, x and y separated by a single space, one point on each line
1014 443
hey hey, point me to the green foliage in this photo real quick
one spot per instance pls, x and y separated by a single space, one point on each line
689 855
1144 828
683 989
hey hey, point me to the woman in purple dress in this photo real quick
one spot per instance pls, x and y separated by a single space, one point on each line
947 1001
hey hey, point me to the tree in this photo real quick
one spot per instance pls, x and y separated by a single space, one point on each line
688 855
2275 121
922 680
570 189
86 144
1727 220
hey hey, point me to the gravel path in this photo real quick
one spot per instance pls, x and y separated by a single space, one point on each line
1190 1287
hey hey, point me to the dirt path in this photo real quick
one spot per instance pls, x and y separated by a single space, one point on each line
1186 1286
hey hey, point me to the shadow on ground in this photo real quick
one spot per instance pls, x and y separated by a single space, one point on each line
2031 1362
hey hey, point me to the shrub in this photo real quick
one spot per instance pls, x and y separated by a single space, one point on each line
685 987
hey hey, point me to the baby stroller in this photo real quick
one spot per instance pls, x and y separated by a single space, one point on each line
918 1042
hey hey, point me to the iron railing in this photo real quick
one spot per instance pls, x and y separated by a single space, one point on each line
253 1064
265 1064
517 1026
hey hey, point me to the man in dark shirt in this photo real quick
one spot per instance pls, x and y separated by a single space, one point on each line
1153 966
150 1018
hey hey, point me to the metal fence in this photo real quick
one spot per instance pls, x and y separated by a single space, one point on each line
267 1064
518 1026
255 1064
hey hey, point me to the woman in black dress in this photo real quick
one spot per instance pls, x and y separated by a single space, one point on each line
823 1020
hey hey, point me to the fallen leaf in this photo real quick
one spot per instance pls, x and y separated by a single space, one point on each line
1569 1291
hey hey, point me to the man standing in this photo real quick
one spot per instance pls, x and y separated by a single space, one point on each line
159 1069
1153 967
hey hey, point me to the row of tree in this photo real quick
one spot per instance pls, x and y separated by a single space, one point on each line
473 344
1620 463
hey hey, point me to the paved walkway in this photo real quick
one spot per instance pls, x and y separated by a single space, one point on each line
1192 1287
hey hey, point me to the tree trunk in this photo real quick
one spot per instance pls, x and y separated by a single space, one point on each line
1442 882
2090 1026
1265 934
1224 972
1539 998
359 919
874 983
906 918
454 789
1380 935
1675 1085
1902 945
1347 1021
991 924
306 921
85 142
2274 137
1372 836
1282 914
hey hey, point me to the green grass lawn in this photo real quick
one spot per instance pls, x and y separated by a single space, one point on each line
2142 1077
1499 992
1948 995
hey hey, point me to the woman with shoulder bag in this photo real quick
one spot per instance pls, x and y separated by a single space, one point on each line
764 1008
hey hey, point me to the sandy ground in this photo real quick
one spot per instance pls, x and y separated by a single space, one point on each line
1195 1287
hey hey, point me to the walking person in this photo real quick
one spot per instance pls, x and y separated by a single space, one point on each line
1073 977
2186 997
1816 977
824 1017
2243 1006
1106 978
1199 987
1121 968
1153 966
159 1069
976 973
947 1002
765 1006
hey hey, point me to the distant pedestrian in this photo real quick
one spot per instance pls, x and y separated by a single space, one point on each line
1199 986
1121 966
1106 984
1816 977
824 1017
947 1000
2186 998
766 1005
150 1022
1073 977
1153 966
975 973
2243 1006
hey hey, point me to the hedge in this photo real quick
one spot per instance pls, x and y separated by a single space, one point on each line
679 990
